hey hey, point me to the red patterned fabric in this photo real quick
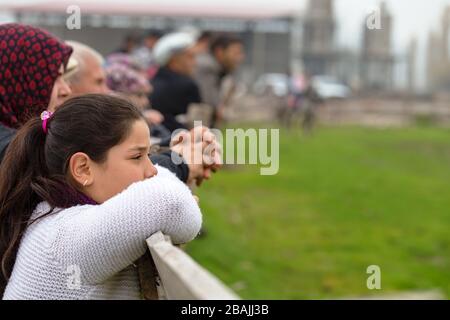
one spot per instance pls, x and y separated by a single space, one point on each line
30 59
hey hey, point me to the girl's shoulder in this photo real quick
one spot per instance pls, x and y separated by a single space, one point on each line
44 212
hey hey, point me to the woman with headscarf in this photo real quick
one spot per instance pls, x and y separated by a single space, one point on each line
32 62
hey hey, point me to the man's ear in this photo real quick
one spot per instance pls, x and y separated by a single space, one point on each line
80 169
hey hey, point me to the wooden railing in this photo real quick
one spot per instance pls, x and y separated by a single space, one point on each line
172 274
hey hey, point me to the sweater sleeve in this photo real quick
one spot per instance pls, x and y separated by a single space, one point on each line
104 239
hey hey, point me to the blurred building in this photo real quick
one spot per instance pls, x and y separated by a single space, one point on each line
377 60
371 69
319 50
438 62
412 70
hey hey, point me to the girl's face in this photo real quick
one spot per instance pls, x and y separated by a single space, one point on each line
126 163
60 92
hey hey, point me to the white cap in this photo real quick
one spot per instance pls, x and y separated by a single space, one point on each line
189 29
171 44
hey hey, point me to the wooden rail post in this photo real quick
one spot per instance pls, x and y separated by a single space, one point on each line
181 277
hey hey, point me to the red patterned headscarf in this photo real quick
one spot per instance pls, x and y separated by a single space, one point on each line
30 59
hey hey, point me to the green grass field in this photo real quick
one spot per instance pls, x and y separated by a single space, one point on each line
344 198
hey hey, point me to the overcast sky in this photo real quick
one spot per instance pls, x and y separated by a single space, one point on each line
412 18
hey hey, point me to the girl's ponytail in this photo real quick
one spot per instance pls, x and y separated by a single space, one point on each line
24 163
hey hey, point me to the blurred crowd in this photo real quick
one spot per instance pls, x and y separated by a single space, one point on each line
173 76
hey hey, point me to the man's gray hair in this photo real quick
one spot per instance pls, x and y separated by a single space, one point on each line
81 53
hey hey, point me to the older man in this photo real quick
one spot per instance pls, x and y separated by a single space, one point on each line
90 76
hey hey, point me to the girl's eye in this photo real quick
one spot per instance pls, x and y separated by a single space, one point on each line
139 157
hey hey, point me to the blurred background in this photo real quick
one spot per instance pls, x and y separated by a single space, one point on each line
364 114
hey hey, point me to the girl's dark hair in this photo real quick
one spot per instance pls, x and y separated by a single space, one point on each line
35 165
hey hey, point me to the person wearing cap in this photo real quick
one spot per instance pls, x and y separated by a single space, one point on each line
174 89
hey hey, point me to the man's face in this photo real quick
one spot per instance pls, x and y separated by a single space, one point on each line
184 62
231 57
92 79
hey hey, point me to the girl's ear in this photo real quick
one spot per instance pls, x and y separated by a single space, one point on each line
80 169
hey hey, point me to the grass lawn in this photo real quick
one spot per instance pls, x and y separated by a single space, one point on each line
344 198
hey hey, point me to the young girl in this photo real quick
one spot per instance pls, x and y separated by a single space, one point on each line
78 198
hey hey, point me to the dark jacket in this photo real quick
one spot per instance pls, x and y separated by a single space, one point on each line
165 160
6 135
172 94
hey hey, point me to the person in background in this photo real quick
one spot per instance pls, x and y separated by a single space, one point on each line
311 102
130 42
224 57
33 66
126 60
133 86
90 76
130 84
203 43
173 86
143 55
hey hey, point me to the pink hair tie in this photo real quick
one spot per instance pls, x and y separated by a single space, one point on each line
44 117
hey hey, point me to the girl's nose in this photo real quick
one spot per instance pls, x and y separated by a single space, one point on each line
151 170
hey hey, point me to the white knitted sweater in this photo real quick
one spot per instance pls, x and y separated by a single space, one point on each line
87 252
